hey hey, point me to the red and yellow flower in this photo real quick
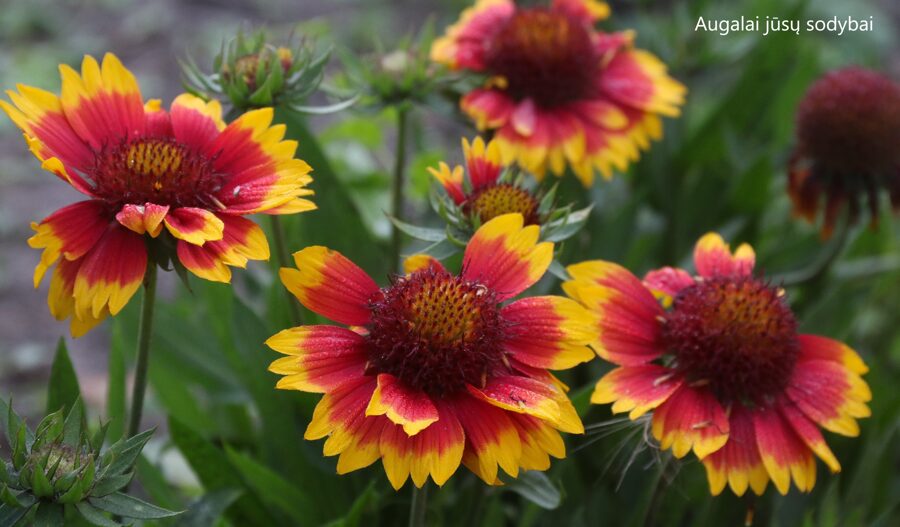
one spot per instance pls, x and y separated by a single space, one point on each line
559 92
718 360
436 369
848 129
179 177
485 195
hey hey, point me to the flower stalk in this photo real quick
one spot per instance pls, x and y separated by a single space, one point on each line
399 182
145 334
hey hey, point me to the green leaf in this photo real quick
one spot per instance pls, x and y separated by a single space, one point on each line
40 485
8 497
536 487
354 515
130 507
62 389
14 424
95 515
420 233
209 508
49 515
273 489
121 457
111 484
74 426
9 516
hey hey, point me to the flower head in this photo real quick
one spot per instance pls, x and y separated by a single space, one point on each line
177 182
848 129
718 360
492 189
436 369
559 92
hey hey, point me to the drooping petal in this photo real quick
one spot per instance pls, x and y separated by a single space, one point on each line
435 451
326 282
784 455
110 274
691 418
737 463
194 225
319 358
809 433
549 332
411 409
712 257
505 256
492 439
636 389
531 397
103 104
665 283
830 394
61 300
195 122
242 240
143 219
339 409
419 262
465 43
482 161
71 232
628 315
451 180
539 442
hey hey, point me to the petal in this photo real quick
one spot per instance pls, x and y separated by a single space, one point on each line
524 118
809 433
71 232
338 410
111 273
491 439
420 262
830 394
195 122
319 358
737 463
712 257
549 332
784 455
411 409
628 315
636 389
103 104
482 161
61 301
331 285
590 11
489 108
691 418
639 80
667 282
528 396
816 347
451 180
465 42
506 257
435 451
195 226
539 442
146 218
242 240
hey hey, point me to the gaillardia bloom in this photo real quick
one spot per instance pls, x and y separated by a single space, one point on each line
848 129
435 369
718 360
559 92
177 182
485 195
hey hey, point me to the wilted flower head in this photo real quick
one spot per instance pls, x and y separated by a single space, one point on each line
436 368
848 132
718 359
559 92
171 185
59 468
252 73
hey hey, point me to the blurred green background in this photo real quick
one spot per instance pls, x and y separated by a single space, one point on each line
720 167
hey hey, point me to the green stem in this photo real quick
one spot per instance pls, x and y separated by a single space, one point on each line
284 260
398 183
659 490
145 332
418 506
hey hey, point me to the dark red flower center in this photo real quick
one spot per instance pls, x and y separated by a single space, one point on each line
735 334
495 200
544 55
436 332
849 121
157 170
